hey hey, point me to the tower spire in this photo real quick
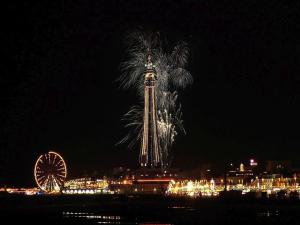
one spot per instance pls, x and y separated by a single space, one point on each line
150 154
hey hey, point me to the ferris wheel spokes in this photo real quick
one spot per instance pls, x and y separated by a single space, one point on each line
50 172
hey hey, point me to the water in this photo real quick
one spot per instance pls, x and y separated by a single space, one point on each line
142 210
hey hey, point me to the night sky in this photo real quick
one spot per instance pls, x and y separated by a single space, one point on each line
62 58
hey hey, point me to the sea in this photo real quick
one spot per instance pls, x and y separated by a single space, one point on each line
145 209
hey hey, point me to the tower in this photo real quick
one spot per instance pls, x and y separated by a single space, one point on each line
150 155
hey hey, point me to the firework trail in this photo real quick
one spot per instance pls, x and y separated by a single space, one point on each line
171 76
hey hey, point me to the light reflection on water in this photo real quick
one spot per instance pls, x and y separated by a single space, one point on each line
100 219
105 219
182 208
268 213
89 215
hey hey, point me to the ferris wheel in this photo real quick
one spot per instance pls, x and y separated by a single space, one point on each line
50 172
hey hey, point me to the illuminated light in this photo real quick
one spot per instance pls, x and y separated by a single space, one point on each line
242 167
190 186
50 182
253 162
191 193
212 184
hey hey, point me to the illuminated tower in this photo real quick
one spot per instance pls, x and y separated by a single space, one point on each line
150 155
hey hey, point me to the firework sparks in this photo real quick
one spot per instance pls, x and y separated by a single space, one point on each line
171 75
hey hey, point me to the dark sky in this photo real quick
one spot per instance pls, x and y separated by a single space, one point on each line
61 61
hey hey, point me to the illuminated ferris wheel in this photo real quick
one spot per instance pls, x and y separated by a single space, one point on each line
50 172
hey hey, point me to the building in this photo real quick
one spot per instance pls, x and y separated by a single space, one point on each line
144 181
278 166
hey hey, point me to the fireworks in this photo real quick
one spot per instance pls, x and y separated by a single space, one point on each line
171 75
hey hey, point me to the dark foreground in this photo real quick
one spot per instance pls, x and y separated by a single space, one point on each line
101 209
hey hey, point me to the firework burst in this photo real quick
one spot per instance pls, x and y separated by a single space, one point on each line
171 76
